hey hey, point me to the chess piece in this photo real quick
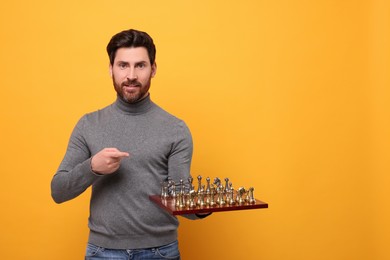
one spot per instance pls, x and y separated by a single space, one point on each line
164 190
251 198
240 192
226 185
191 199
208 186
199 183
187 199
207 192
200 202
173 189
217 182
212 193
230 196
187 195
177 200
190 181
221 200
181 195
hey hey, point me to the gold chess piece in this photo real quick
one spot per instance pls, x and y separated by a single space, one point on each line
200 202
191 199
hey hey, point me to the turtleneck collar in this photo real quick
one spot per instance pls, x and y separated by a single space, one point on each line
139 107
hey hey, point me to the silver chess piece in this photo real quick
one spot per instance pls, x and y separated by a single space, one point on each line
173 189
212 193
226 185
221 200
181 195
217 182
199 183
164 190
208 185
230 195
240 192
251 198
177 200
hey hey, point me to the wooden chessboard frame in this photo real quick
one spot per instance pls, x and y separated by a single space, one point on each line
169 205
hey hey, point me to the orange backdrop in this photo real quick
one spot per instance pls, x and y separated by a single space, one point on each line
290 97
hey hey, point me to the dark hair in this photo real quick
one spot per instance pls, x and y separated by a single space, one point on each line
131 38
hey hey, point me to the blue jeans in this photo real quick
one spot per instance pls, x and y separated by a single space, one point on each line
170 251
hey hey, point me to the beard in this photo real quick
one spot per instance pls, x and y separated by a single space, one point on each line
131 96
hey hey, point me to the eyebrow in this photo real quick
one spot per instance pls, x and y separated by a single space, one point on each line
122 62
128 63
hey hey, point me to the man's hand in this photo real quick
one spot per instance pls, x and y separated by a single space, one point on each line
107 160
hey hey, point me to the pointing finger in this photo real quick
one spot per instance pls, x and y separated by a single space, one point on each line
119 154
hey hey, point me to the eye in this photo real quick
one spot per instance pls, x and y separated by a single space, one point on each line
122 65
141 65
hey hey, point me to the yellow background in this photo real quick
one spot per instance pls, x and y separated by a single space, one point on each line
291 97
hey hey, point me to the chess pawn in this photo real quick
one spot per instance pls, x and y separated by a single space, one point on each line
238 194
177 200
217 193
230 199
200 200
182 203
178 197
226 185
164 190
227 197
181 186
251 197
212 193
187 199
199 183
181 195
173 193
221 201
208 186
207 199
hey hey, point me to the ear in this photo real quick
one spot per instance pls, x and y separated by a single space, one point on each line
154 69
110 69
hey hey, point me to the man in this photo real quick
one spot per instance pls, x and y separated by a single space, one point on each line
125 151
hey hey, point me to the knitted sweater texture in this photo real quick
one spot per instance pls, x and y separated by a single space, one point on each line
121 214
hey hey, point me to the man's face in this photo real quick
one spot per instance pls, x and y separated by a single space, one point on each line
132 72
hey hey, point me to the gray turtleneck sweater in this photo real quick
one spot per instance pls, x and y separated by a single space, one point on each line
121 214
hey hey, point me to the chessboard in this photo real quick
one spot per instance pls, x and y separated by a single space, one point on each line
183 199
169 205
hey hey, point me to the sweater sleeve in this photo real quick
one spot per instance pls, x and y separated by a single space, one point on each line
74 174
179 162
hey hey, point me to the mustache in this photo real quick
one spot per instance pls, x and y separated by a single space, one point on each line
132 83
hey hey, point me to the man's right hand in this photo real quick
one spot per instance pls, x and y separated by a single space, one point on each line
107 161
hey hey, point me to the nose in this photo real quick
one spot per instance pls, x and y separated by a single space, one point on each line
132 75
